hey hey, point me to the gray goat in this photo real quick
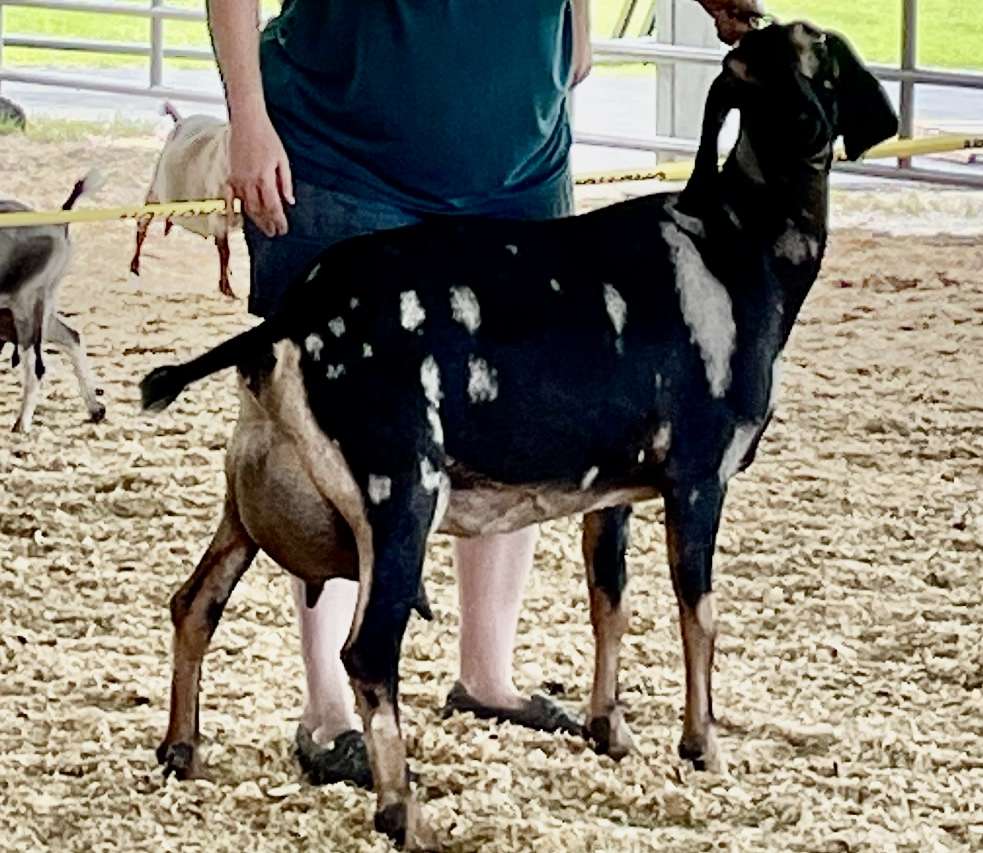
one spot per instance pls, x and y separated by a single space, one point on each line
33 259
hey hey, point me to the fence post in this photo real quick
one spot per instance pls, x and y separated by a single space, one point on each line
156 47
681 90
909 61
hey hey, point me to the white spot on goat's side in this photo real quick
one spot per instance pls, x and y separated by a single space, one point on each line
617 308
337 327
465 308
736 451
661 441
313 273
796 247
658 381
706 309
694 496
314 344
430 379
353 303
482 381
641 456
366 351
555 285
380 488
512 249
436 425
411 313
589 477
335 371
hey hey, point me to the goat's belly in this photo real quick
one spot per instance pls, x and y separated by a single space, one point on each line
488 508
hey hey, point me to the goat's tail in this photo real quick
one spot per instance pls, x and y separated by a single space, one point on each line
168 109
162 386
91 183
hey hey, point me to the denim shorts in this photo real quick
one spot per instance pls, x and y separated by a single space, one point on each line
322 216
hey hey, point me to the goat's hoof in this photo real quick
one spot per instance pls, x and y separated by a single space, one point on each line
97 415
227 291
404 824
391 821
181 759
703 753
21 427
611 736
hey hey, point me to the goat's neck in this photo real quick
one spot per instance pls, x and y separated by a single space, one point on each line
780 221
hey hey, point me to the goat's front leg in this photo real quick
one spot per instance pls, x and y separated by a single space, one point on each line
692 519
605 540
67 339
399 515
196 609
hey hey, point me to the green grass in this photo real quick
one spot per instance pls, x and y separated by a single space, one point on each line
951 30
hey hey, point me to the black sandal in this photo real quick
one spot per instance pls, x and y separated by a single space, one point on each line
539 712
345 759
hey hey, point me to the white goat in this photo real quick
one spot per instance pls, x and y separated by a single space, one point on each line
193 165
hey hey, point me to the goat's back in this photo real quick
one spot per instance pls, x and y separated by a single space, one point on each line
193 165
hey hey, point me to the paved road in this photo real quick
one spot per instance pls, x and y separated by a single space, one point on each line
606 103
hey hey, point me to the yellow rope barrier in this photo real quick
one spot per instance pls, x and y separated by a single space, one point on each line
674 171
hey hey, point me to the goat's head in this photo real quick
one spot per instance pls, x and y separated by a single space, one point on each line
797 89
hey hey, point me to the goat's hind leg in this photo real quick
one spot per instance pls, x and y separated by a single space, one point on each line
222 244
67 339
605 540
195 610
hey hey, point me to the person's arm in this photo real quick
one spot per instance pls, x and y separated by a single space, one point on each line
734 18
259 172
582 55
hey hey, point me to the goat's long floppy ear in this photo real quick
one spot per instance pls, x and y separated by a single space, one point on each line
866 116
721 99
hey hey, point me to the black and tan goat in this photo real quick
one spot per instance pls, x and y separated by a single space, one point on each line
475 376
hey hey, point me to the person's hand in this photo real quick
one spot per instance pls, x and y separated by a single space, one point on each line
733 18
259 173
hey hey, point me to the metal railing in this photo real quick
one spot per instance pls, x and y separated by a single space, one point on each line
612 50
156 12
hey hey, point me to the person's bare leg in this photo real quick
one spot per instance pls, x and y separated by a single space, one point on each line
329 708
491 578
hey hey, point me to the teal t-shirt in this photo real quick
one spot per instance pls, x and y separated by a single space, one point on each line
435 105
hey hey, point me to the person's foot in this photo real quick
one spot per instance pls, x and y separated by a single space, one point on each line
537 712
345 759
